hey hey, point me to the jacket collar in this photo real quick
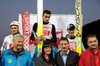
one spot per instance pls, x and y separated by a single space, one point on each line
10 51
66 52
45 23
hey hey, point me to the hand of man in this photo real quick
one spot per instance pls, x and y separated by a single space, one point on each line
38 39
43 37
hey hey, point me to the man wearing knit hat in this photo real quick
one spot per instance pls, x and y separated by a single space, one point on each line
8 40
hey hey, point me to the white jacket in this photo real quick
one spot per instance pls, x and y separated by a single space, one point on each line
7 43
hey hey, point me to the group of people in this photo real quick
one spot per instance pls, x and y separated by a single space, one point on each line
14 54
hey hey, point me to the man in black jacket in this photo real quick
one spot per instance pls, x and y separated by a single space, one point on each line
49 32
66 57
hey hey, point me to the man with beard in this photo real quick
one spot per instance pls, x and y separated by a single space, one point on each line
66 57
91 57
17 55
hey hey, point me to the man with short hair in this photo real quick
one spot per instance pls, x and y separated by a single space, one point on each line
17 55
66 57
8 40
72 37
91 57
49 31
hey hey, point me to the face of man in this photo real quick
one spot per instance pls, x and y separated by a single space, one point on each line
64 45
47 50
46 17
14 29
71 32
18 43
92 42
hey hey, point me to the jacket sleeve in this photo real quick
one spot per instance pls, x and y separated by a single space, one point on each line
34 31
53 40
29 63
37 62
2 59
72 59
81 61
77 58
4 44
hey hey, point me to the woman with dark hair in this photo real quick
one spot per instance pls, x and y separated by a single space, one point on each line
46 58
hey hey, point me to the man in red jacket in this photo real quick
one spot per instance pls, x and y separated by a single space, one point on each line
91 57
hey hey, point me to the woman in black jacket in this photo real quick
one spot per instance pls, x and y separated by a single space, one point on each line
46 58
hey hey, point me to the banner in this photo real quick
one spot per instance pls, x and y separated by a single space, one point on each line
26 29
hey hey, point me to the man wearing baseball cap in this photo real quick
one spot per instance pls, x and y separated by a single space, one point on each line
71 27
8 40
71 36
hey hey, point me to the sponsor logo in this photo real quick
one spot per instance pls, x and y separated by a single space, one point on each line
10 61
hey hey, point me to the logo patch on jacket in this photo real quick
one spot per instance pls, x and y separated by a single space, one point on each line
10 61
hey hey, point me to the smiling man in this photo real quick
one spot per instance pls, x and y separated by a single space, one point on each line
17 55
91 57
66 57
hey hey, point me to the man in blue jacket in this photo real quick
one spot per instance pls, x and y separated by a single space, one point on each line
17 56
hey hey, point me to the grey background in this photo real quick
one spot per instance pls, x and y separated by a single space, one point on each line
9 10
